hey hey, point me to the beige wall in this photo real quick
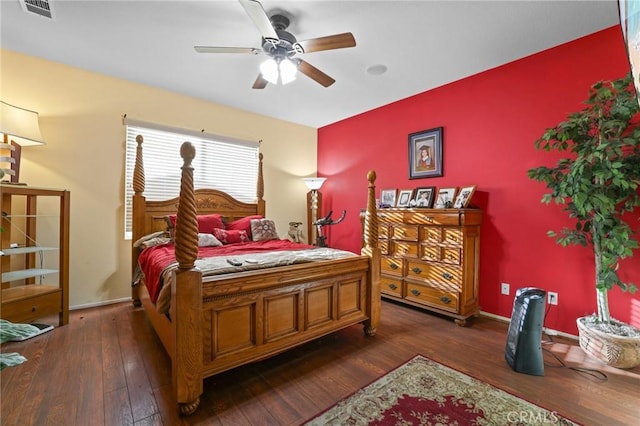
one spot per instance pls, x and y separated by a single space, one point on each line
80 119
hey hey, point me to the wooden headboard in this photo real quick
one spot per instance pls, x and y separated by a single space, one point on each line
149 216
207 201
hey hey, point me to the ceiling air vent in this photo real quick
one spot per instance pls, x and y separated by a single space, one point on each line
39 7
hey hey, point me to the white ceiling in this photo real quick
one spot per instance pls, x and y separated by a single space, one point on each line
424 44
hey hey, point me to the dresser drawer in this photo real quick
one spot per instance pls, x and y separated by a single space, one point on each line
403 248
27 309
383 230
391 265
445 300
383 245
404 232
430 234
452 255
391 286
452 236
430 253
435 273
440 218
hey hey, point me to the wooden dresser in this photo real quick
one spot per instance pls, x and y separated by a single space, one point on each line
430 259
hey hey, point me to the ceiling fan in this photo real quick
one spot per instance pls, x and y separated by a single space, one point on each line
282 48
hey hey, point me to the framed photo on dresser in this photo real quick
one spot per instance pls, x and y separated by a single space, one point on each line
388 197
424 196
445 198
404 197
464 197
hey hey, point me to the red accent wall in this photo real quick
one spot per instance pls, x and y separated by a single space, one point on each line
490 121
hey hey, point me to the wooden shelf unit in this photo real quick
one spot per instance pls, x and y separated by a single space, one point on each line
23 300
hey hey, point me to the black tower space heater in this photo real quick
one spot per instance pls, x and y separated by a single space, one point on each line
524 339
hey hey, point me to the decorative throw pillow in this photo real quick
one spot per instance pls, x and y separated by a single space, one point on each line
263 229
242 224
208 240
206 222
232 236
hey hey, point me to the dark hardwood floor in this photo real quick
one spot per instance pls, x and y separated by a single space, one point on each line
108 367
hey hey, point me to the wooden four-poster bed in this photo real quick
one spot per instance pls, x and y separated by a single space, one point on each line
217 322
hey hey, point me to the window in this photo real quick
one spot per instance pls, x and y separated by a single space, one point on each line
215 165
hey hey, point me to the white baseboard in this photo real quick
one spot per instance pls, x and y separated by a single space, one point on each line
546 330
103 303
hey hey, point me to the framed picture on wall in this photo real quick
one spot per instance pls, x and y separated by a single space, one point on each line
425 153
424 196
464 196
630 24
404 198
388 197
445 198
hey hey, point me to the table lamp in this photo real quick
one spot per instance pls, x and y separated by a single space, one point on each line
19 127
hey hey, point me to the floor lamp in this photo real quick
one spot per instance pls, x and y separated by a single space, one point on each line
19 128
314 205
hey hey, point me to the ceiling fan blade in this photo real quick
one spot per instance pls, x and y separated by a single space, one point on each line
214 49
260 82
259 17
337 41
314 73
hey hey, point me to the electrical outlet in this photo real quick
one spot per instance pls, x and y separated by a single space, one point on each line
504 289
552 297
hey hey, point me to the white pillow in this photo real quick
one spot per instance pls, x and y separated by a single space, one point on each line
206 240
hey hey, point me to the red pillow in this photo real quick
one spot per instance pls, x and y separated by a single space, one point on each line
243 224
206 222
230 236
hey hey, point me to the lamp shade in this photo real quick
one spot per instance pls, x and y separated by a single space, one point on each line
287 71
269 70
314 183
279 69
20 125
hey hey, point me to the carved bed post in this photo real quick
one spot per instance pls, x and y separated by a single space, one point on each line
138 206
186 296
372 250
260 188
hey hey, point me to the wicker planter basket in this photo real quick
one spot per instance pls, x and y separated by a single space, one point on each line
616 351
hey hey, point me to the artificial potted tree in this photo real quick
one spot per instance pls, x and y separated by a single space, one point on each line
598 185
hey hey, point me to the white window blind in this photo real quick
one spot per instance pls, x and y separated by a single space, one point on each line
220 163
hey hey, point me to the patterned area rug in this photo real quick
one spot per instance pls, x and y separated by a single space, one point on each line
423 392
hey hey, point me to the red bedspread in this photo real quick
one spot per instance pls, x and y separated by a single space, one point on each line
153 260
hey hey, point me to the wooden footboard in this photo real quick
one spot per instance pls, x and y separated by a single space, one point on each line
225 321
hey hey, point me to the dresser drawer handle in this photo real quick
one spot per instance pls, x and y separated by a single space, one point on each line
447 276
416 270
393 286
451 257
393 266
452 238
431 255
34 308
428 218
445 299
415 292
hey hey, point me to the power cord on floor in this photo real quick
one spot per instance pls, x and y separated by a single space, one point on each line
595 373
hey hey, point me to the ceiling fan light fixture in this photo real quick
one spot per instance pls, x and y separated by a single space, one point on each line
269 70
288 71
